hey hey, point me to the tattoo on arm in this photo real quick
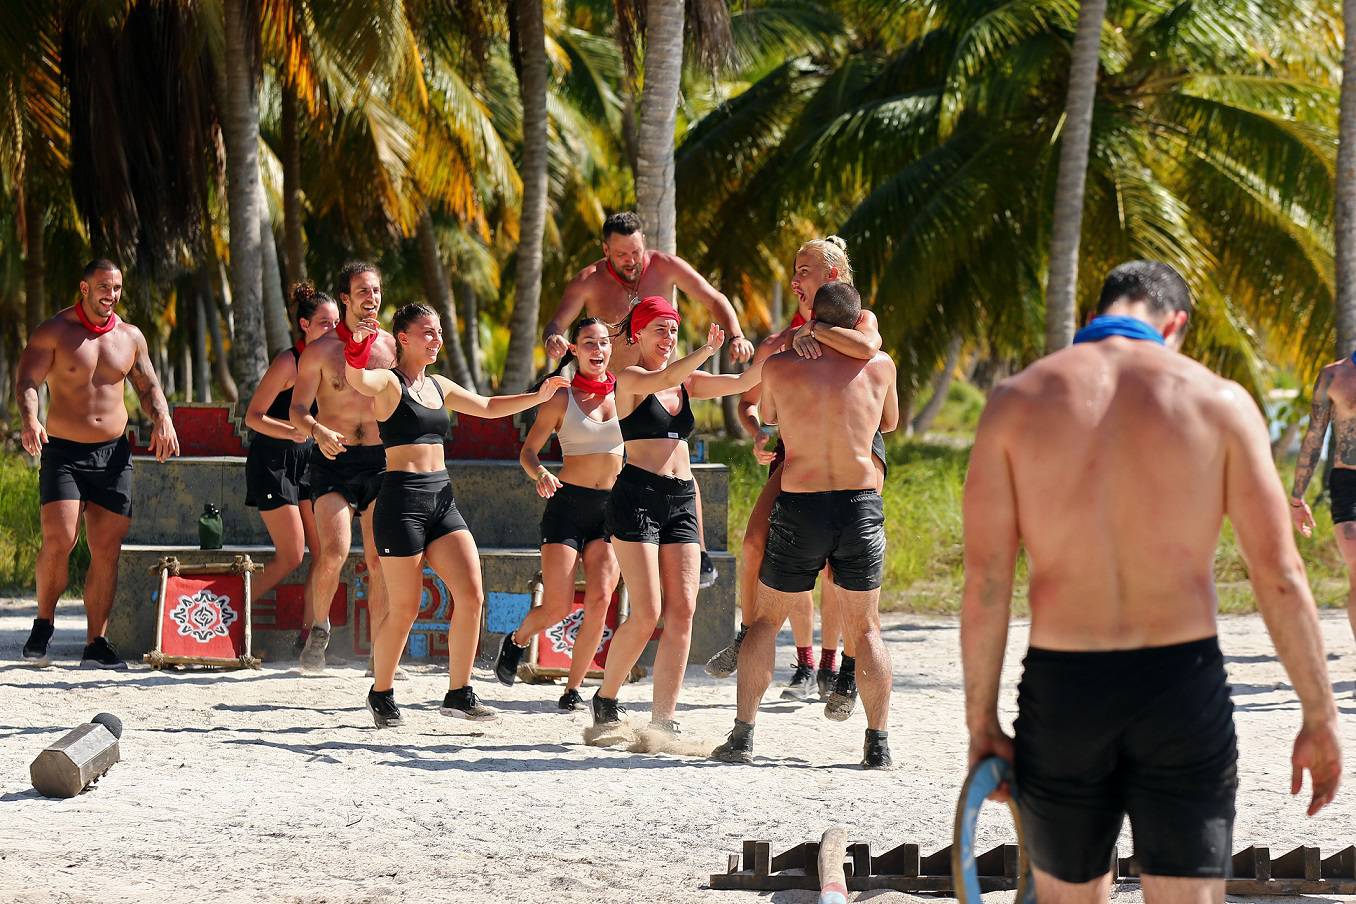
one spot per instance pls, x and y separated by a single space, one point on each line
147 386
1312 447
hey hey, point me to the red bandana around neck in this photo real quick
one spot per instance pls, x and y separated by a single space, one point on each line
300 346
632 289
798 321
355 353
91 325
595 387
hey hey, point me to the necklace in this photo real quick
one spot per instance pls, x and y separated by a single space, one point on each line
632 290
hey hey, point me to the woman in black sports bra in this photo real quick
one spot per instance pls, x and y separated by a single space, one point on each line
416 518
651 512
275 468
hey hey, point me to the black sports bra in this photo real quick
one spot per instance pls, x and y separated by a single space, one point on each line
651 420
414 423
281 409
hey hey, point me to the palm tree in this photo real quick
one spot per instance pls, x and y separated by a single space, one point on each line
1061 289
655 191
529 34
1345 231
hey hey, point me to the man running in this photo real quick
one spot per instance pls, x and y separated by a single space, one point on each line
347 462
829 511
1334 402
610 287
84 354
1113 463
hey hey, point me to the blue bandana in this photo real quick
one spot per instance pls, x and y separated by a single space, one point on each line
1115 325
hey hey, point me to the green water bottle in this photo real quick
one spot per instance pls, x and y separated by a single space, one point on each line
210 528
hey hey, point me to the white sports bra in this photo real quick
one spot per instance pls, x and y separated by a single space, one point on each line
580 434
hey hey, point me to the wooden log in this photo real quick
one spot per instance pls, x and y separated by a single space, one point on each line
1301 863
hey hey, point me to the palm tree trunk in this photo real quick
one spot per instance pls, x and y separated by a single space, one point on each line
658 120
1345 237
729 405
1061 301
294 252
275 304
207 293
523 334
202 376
240 129
436 288
470 316
35 265
940 385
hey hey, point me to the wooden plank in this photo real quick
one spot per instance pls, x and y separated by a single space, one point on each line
762 858
898 861
1301 863
1253 863
800 856
1341 865
860 855
990 863
936 864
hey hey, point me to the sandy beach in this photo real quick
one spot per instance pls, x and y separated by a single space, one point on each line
267 787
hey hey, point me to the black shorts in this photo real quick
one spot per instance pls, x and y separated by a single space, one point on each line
1146 732
845 528
575 516
412 511
355 474
95 473
644 507
275 472
1342 491
877 449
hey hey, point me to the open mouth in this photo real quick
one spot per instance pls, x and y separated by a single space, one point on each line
596 362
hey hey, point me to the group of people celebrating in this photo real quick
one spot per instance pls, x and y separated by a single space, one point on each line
1111 463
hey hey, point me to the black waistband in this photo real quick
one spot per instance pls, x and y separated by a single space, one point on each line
60 444
1204 646
574 488
1342 475
637 476
360 453
416 480
831 494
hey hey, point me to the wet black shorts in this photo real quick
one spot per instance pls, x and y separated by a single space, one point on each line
412 511
877 449
1149 733
575 516
644 507
355 474
1342 490
275 472
845 528
95 473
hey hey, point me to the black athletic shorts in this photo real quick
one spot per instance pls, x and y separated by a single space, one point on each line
355 473
275 472
644 507
1149 733
1342 491
877 449
845 528
95 473
412 511
575 516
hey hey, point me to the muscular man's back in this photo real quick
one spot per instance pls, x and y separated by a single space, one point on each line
1121 456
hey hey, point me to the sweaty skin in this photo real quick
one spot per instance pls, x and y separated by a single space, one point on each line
1113 464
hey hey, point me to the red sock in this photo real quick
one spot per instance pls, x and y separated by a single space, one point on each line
828 658
805 656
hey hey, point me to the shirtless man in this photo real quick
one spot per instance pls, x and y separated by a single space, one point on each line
829 511
1334 402
1113 463
347 462
608 289
84 354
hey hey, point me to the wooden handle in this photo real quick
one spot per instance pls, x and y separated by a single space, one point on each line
832 881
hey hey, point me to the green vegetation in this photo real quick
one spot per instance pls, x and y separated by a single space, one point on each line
21 531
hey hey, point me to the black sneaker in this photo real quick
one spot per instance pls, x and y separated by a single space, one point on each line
825 679
843 700
708 574
570 701
383 708
464 704
607 711
726 662
313 653
299 642
876 751
798 688
506 666
100 655
35 648
738 747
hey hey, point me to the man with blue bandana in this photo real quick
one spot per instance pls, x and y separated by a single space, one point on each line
1113 464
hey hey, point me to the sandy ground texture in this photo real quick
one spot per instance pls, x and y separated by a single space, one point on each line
264 786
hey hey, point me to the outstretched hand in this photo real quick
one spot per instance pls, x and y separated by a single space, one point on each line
1318 752
715 337
551 385
366 328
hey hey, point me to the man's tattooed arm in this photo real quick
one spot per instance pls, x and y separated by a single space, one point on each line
1319 415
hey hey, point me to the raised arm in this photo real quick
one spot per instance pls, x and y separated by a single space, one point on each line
1255 504
638 381
991 545
34 364
375 384
274 382
571 304
862 341
694 286
1320 413
164 439
701 385
549 417
464 401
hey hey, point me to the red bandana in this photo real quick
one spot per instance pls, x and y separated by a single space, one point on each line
355 353
300 346
651 309
632 290
595 387
90 324
798 321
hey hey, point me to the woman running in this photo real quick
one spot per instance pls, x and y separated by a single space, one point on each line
275 469
416 517
584 417
651 512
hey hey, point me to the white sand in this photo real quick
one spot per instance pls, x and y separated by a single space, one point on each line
267 787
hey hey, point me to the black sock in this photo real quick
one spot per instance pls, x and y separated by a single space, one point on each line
874 735
742 730
848 665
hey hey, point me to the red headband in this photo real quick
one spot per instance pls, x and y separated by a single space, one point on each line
650 309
